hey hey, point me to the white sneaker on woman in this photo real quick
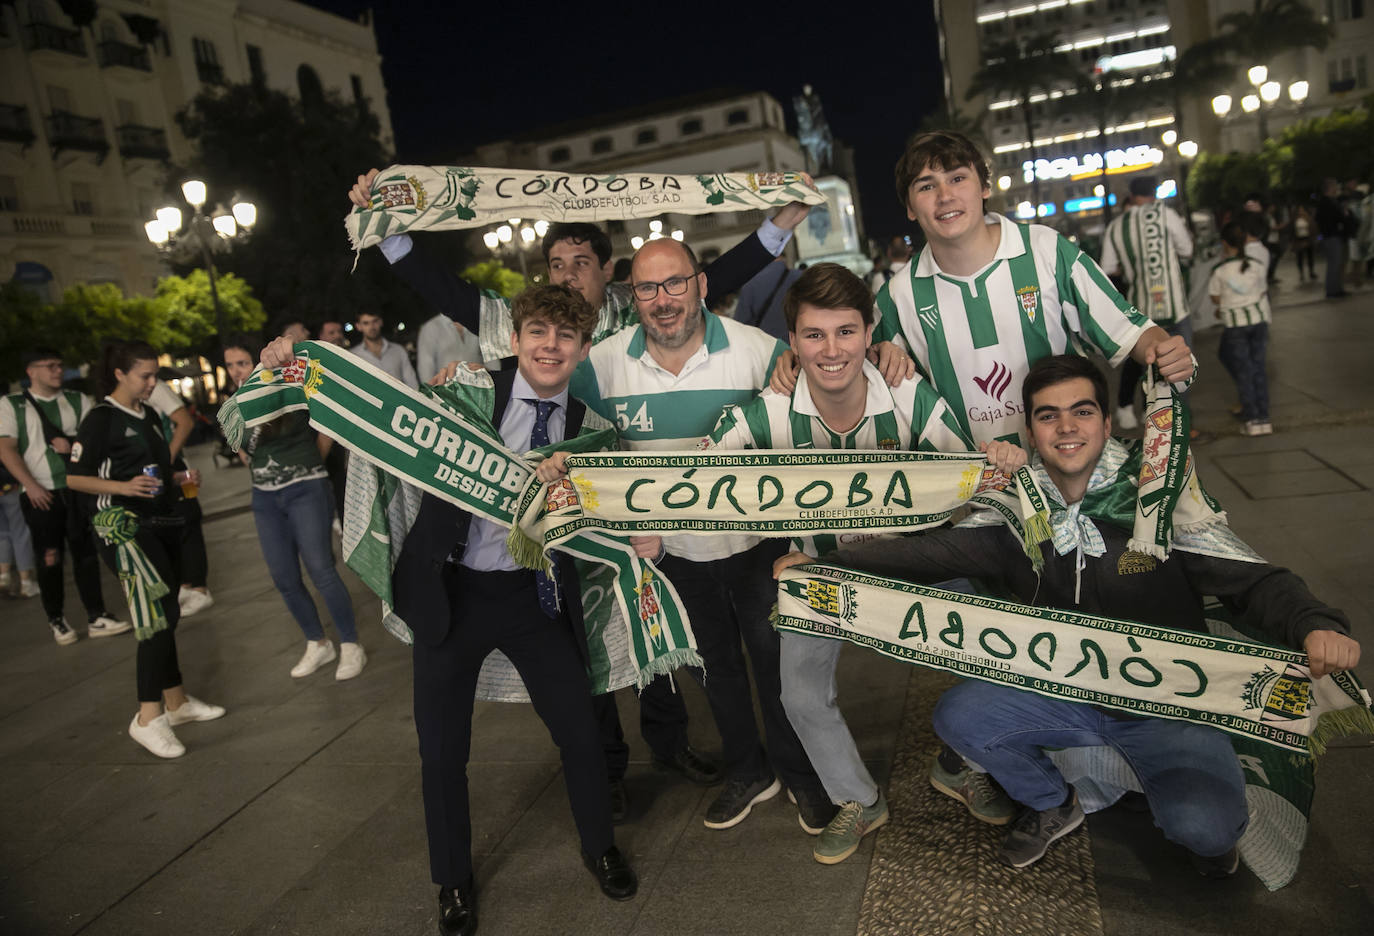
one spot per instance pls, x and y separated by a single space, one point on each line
157 736
194 710
317 654
352 659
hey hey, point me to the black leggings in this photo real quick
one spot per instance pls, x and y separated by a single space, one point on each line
64 523
156 659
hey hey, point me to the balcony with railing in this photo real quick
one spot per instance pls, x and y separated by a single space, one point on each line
71 132
121 54
15 125
138 142
47 36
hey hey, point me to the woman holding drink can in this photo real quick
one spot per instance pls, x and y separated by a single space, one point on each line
121 462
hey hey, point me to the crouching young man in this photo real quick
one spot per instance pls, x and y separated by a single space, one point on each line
463 595
840 401
1189 773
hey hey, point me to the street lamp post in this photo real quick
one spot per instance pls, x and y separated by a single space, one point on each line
206 233
511 237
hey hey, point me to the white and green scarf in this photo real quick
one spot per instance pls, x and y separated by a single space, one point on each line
143 587
442 198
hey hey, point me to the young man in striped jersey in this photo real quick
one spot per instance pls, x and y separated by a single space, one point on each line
841 401
36 432
988 297
1143 246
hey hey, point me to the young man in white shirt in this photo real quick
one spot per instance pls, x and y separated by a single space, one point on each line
379 352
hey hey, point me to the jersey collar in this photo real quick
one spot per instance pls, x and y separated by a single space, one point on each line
124 409
878 399
715 338
1008 246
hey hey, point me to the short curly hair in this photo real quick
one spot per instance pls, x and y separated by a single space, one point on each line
942 150
556 304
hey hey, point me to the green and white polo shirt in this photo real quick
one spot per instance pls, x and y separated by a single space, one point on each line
495 325
20 421
975 337
1240 294
1145 243
655 410
910 417
165 401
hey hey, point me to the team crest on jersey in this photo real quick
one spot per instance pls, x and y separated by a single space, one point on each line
1030 300
889 445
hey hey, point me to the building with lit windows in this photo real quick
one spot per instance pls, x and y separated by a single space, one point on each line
714 132
87 123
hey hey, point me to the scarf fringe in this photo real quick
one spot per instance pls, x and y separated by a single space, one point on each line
528 552
1148 548
231 420
1356 720
666 663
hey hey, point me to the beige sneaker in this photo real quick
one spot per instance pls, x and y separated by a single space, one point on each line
157 736
352 659
317 654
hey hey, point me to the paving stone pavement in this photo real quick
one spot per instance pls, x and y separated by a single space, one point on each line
299 812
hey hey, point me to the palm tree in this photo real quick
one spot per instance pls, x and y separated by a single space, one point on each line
1021 69
1110 104
945 117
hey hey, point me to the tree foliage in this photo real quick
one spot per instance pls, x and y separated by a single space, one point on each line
492 275
1339 146
1271 27
296 161
1218 181
187 312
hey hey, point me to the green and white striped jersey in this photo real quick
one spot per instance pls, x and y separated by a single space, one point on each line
975 337
1240 294
656 410
910 417
494 323
1145 243
19 421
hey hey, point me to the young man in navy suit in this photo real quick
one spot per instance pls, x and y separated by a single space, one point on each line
463 596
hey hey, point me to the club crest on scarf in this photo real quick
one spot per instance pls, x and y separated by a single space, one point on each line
1282 696
838 601
649 606
561 493
992 480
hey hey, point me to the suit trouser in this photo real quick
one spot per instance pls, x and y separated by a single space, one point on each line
500 611
729 601
662 724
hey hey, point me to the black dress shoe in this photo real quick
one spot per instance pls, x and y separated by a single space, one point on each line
457 911
620 802
692 766
614 874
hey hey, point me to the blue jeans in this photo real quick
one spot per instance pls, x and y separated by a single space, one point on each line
1189 772
1242 354
294 525
16 546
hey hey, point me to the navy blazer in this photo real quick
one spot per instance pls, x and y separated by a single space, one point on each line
417 582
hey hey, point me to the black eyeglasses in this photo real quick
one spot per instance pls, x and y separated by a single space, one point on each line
673 286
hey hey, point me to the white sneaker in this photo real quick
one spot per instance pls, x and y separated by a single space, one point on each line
317 654
1125 418
106 626
193 601
1258 427
28 588
157 736
352 659
62 632
194 710
6 580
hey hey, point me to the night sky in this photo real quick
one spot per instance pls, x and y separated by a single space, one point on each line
461 74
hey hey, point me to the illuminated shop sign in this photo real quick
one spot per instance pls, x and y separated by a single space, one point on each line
1131 159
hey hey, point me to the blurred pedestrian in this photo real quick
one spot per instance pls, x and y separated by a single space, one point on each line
1304 229
333 332
1332 233
37 429
121 462
296 330
291 506
16 546
440 341
379 352
1238 287
176 427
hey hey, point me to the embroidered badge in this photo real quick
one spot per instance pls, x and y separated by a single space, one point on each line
1132 563
1282 696
561 494
889 445
1030 300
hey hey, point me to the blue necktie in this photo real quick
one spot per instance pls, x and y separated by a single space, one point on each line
544 585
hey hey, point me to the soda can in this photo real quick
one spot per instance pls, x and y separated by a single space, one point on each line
155 473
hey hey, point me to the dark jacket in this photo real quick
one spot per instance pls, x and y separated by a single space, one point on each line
1263 598
441 530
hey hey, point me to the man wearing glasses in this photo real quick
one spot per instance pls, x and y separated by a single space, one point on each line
664 382
36 432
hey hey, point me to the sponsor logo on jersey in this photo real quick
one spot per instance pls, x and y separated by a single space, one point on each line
996 382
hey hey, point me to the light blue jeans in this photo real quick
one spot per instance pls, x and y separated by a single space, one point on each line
808 696
16 546
294 526
1189 772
